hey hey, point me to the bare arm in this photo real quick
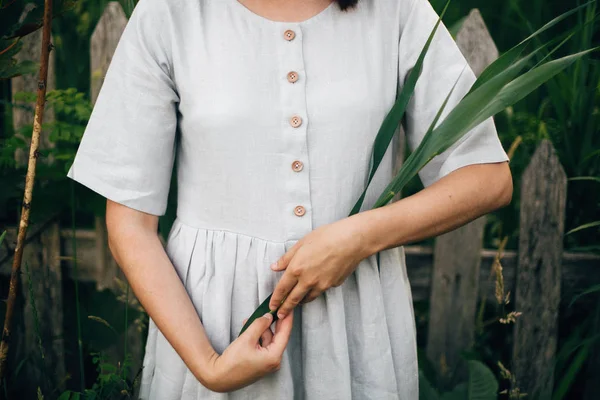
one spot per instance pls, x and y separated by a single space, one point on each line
453 201
135 244
327 255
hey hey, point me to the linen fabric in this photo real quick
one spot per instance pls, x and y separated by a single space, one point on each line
204 84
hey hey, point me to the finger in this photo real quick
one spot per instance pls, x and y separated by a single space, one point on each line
256 328
284 260
292 300
310 296
284 286
266 337
283 330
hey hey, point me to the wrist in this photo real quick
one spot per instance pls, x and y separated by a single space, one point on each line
204 368
368 228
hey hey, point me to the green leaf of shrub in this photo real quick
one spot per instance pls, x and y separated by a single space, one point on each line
482 382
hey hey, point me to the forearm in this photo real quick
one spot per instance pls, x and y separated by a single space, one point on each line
449 203
153 279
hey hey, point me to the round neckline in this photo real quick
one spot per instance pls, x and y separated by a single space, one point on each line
263 19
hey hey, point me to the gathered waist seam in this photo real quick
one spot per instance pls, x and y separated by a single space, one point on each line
179 221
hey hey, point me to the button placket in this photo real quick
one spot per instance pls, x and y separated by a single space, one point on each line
297 207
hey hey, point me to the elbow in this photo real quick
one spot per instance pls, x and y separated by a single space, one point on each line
111 242
128 228
112 230
503 187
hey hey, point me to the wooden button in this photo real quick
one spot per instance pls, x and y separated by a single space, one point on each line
292 77
289 35
297 166
295 121
299 211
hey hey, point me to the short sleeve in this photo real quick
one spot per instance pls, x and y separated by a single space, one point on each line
443 65
128 146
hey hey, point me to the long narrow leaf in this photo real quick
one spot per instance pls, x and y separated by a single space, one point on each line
593 289
393 118
409 164
259 312
547 56
584 226
508 58
568 378
473 110
451 129
525 84
577 178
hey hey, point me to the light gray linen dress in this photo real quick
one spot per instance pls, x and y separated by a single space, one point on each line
205 83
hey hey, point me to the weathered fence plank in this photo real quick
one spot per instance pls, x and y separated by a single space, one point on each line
579 270
42 292
103 43
455 285
543 200
454 292
476 43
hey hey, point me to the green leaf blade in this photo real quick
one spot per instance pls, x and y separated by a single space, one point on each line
262 309
393 118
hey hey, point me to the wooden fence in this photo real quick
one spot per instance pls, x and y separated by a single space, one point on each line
453 276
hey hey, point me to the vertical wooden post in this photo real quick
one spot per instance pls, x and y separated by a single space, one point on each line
543 200
476 43
42 288
456 262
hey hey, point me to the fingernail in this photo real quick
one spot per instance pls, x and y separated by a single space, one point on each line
281 315
272 307
268 316
274 265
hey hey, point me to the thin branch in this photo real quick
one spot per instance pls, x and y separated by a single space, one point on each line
29 183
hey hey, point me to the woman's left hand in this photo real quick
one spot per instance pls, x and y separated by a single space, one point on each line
321 259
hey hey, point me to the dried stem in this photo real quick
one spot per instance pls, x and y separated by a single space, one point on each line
29 181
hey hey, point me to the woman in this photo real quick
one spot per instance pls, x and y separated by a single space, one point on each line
272 108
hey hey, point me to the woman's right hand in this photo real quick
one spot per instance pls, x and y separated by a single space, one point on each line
245 360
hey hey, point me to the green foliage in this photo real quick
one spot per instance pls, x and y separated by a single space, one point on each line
481 385
71 33
72 110
19 18
396 114
112 382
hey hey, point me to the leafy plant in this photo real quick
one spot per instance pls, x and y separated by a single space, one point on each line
499 86
19 18
72 110
567 113
481 385
112 382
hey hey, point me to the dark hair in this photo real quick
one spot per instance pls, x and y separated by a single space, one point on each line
346 4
